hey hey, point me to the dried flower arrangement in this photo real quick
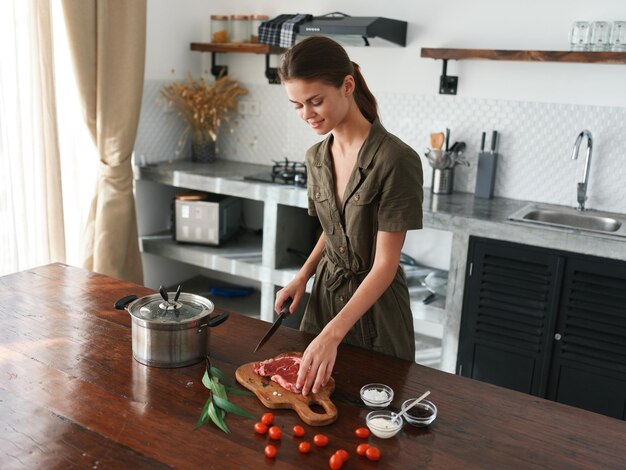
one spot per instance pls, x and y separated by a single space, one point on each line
203 106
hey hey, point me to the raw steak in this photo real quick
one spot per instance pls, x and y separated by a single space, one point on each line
282 370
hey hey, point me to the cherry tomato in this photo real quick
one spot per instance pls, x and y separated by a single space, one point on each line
335 462
260 428
275 433
361 449
267 418
320 440
270 451
362 432
304 447
372 453
298 430
343 454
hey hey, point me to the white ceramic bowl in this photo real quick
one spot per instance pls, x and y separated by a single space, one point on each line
421 414
376 395
384 423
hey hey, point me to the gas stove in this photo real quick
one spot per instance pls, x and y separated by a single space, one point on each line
283 172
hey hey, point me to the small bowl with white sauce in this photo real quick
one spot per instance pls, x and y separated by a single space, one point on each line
384 423
376 395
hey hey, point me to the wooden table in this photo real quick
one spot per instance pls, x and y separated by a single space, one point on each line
71 395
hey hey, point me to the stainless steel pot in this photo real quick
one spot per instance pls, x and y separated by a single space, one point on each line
170 333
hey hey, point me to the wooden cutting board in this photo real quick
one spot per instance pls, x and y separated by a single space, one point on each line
264 389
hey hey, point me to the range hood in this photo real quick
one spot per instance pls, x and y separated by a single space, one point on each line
356 30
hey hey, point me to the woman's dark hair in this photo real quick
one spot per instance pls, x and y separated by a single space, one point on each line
321 58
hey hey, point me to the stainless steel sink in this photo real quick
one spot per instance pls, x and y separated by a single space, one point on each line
568 217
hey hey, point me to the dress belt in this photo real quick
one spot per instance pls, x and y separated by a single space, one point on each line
340 274
336 278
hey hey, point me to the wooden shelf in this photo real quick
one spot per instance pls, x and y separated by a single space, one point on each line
235 47
526 56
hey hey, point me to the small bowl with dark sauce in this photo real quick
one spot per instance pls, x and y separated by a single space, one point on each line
421 414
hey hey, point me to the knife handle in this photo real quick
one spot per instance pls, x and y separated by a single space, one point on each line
285 308
494 139
482 141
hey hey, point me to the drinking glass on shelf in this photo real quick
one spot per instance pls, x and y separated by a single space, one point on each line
618 36
579 36
600 35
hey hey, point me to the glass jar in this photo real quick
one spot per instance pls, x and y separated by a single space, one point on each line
219 28
255 23
240 28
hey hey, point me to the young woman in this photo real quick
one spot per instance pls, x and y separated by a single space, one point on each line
365 186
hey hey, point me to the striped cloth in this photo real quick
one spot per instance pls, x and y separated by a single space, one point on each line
269 31
287 31
281 31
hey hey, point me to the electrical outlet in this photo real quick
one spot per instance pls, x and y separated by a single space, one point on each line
253 108
248 108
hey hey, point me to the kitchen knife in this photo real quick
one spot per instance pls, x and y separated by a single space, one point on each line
283 314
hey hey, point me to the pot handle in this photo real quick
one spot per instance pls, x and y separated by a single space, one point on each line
124 301
219 319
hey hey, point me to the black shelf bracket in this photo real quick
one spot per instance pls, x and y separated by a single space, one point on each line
447 83
217 70
271 73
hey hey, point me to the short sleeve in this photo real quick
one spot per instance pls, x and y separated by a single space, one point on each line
400 206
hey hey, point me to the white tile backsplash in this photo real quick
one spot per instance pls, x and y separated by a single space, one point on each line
535 139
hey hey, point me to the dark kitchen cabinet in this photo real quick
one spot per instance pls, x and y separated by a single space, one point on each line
546 322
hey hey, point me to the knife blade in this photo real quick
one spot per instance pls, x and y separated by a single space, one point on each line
283 314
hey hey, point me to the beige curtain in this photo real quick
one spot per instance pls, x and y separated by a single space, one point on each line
50 141
108 42
31 203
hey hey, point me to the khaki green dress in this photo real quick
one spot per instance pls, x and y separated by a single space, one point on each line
384 193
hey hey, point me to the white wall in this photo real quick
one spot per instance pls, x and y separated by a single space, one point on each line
489 24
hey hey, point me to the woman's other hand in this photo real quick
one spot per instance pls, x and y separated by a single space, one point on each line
317 363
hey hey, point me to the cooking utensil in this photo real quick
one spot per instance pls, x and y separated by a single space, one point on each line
437 139
415 402
170 333
438 159
283 314
447 139
274 396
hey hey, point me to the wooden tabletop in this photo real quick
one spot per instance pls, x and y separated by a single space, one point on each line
72 395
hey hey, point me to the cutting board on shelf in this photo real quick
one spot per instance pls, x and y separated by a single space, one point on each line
273 396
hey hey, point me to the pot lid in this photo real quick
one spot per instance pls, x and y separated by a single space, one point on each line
187 308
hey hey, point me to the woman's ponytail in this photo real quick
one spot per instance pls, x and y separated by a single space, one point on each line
364 98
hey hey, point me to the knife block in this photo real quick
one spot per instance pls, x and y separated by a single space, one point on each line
486 175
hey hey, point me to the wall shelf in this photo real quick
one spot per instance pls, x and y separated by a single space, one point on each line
526 56
249 48
448 84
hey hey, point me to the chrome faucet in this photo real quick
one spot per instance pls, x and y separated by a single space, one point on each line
581 188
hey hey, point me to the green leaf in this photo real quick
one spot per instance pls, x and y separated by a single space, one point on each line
236 391
206 380
215 372
230 407
216 418
204 415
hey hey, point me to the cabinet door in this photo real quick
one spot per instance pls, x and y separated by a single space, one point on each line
506 325
589 361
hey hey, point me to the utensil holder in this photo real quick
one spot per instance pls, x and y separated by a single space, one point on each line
442 181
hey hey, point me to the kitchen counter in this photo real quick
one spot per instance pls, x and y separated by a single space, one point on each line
72 395
459 213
